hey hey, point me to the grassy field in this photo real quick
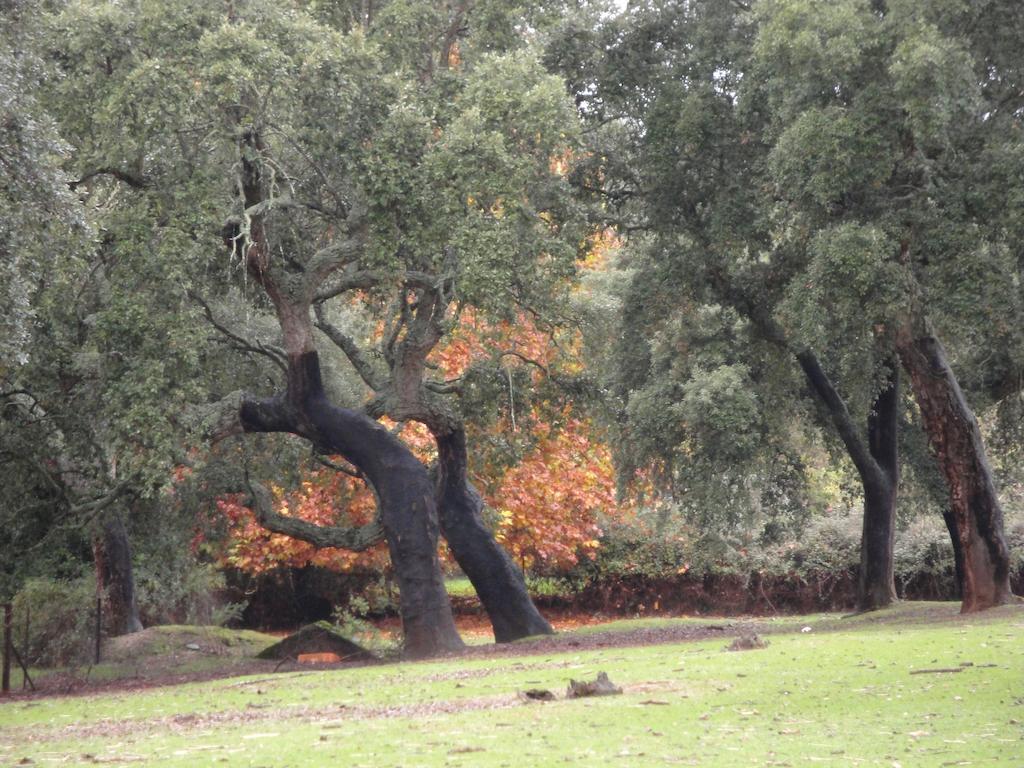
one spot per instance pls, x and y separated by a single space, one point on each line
860 691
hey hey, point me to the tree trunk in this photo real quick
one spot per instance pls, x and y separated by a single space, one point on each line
408 508
877 464
956 440
114 576
876 585
958 552
498 583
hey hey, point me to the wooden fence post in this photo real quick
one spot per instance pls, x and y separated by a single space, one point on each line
5 687
25 681
99 626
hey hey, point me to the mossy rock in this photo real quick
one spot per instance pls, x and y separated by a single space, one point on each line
321 637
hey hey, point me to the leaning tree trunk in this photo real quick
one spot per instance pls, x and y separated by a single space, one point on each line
114 576
877 464
498 583
404 397
958 552
408 509
956 440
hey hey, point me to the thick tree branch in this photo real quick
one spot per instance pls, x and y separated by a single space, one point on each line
348 281
398 317
355 539
132 180
867 466
452 387
216 421
335 256
770 330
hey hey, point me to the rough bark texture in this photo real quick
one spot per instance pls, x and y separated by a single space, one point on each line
877 463
956 440
498 583
115 577
407 507
958 552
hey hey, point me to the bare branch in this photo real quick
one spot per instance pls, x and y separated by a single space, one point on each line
345 469
452 387
347 344
275 354
528 360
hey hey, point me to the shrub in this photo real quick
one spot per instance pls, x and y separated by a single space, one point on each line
352 621
829 544
182 592
924 553
62 616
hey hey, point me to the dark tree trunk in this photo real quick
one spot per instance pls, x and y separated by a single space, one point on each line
876 586
956 440
114 576
877 464
408 508
498 583
958 552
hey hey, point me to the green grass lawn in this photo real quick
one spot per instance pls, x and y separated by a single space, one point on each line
842 694
459 586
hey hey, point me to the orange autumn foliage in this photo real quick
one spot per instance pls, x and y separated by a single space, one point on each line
547 504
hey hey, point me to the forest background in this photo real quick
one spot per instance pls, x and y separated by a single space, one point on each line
683 306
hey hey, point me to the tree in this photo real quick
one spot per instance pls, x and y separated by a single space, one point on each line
36 207
469 211
466 208
880 118
537 464
679 161
172 148
420 196
59 460
817 161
